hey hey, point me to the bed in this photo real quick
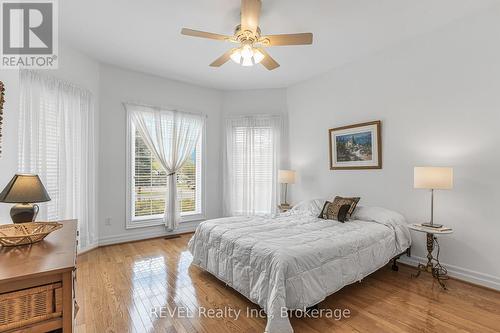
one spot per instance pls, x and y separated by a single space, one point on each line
295 260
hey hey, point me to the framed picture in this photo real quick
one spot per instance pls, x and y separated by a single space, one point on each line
356 146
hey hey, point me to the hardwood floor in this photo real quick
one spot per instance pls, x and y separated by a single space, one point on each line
117 286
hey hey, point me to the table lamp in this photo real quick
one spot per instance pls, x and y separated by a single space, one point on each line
433 178
286 177
24 190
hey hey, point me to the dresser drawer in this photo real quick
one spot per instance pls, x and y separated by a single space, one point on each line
30 306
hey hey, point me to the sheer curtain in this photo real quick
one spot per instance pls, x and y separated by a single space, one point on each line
251 165
56 141
171 136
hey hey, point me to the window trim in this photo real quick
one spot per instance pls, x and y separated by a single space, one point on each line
156 220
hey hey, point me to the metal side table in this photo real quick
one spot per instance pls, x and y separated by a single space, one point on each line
433 265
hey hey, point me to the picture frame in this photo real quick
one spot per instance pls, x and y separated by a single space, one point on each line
356 147
2 100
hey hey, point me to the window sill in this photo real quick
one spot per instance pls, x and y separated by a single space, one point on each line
192 218
159 221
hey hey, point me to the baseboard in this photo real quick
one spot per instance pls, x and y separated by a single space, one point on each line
145 234
459 273
88 249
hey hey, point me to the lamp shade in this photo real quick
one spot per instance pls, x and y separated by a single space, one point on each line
286 177
437 178
24 188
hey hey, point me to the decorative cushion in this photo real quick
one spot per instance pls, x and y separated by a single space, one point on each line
331 210
343 211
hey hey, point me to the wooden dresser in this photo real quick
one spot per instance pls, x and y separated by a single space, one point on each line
37 283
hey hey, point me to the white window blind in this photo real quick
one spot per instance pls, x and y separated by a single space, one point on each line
253 168
150 182
56 141
250 176
51 132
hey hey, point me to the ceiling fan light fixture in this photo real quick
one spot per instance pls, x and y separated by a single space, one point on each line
248 35
247 56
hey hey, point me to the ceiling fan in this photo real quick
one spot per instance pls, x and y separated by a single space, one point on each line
247 34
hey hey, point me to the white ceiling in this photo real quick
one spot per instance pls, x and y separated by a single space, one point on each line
144 35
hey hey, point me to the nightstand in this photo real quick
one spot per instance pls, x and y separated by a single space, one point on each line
433 265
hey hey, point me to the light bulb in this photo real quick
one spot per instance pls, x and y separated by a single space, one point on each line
246 51
247 62
257 56
236 56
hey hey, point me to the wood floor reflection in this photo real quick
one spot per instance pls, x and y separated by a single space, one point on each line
120 287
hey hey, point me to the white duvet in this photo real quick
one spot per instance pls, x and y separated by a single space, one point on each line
296 260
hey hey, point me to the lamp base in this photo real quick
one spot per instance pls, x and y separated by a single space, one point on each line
23 213
431 225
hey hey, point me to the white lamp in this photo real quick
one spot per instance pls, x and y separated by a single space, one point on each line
433 178
286 177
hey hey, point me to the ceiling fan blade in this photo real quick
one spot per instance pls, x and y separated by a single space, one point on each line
203 34
288 39
268 61
250 13
222 59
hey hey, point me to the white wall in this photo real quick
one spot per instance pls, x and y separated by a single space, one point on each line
438 98
261 101
118 86
78 69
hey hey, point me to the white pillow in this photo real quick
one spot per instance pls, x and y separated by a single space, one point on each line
313 206
377 214
390 218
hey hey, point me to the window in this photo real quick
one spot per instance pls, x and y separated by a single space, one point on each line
250 177
149 185
56 141
253 172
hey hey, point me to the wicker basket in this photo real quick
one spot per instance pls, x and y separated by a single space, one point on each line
26 233
30 306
